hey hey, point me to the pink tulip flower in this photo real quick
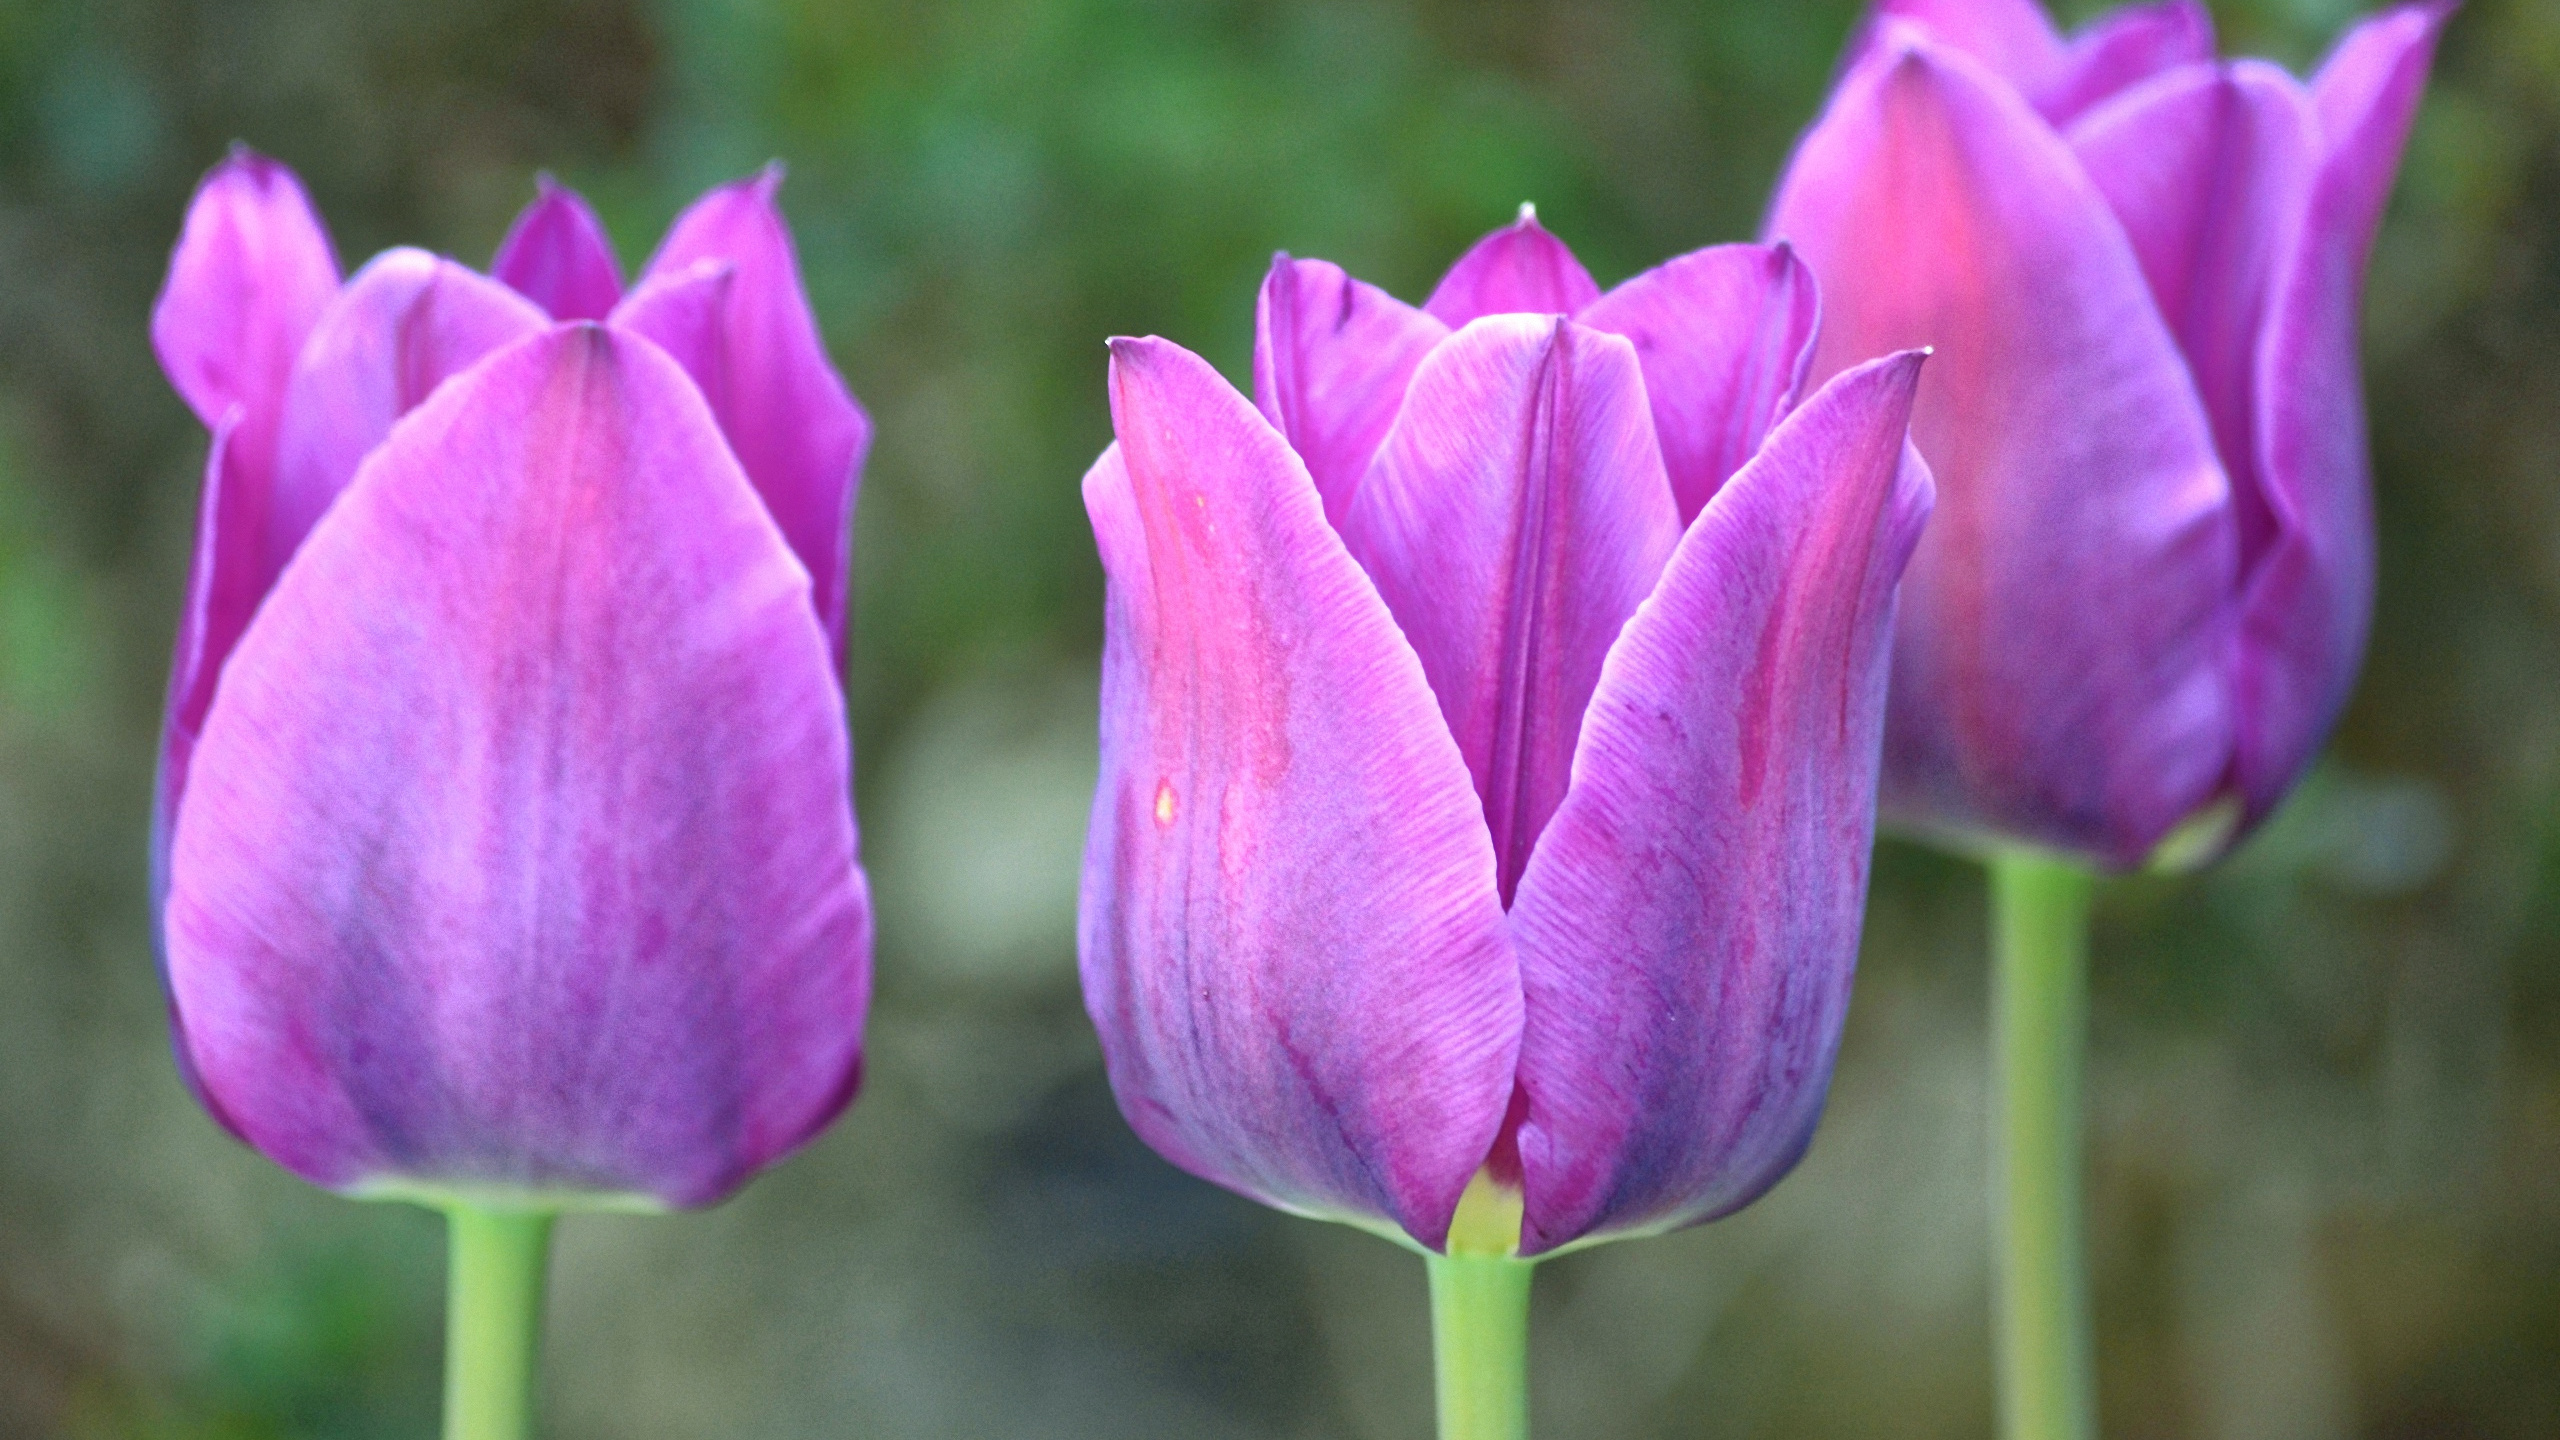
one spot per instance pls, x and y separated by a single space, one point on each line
504 844
2147 595
1490 720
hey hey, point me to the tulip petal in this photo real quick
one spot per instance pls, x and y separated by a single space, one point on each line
2308 604
2209 170
1688 926
1290 939
247 281
1331 359
1725 335
2122 49
1519 269
250 276
1516 516
2015 41
797 430
404 325
2058 676
557 256
518 854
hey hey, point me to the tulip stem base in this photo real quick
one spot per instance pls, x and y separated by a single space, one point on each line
2040 1023
493 1321
1480 1345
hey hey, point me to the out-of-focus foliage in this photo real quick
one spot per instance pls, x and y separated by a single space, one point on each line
2327 1087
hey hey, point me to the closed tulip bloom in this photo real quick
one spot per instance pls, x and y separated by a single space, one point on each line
1490 718
2147 593
505 845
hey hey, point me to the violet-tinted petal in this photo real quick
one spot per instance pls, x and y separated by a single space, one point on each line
787 414
2122 49
250 276
2013 39
686 313
2309 601
1331 358
1290 940
2209 170
1725 335
1518 269
557 256
2058 675
1515 517
1688 926
518 852
406 323
248 279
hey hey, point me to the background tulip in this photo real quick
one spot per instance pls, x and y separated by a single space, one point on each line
1487 773
509 858
2147 596
2150 588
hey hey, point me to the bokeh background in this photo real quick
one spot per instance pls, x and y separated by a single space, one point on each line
2326 1090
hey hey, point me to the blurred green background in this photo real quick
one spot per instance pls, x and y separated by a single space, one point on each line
2326 1099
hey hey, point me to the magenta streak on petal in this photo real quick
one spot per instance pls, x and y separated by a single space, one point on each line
2059 669
404 325
1515 517
1689 924
518 849
1331 359
556 255
1289 936
1725 335
1518 269
787 414
2309 602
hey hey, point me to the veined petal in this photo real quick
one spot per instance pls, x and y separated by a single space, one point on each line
1515 517
518 851
2059 674
248 279
2309 600
404 325
1519 269
797 430
1725 335
1688 926
1290 939
557 255
2209 170
1331 359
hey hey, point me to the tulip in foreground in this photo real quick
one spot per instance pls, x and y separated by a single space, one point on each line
1490 720
505 848
2147 593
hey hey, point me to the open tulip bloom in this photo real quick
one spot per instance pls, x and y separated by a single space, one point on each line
2146 595
1490 722
504 848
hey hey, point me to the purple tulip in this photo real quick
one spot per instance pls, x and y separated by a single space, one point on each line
2147 596
504 841
1489 738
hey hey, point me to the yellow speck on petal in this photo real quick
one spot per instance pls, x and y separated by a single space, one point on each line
1488 1219
1164 802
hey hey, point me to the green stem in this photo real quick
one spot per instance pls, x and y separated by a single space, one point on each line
2040 1022
493 1321
1480 1345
